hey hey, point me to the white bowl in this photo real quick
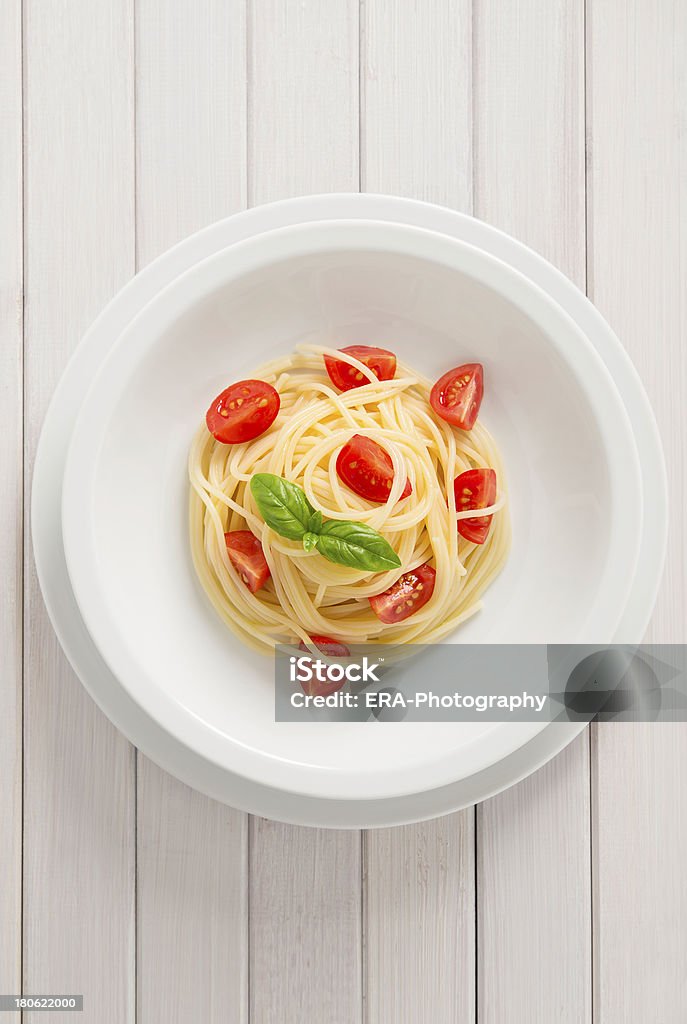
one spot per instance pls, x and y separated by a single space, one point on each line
569 451
46 519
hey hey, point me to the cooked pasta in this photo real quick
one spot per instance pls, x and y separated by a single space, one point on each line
307 595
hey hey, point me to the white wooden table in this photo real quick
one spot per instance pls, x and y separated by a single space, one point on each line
564 901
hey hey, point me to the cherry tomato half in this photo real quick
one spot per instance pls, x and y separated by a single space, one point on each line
407 595
243 411
246 555
365 467
457 396
344 376
476 488
332 649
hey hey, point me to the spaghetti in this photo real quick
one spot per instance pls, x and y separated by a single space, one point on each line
306 594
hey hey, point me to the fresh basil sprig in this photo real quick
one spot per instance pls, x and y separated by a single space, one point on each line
286 509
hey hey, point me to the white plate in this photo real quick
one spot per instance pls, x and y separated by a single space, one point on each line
50 559
567 444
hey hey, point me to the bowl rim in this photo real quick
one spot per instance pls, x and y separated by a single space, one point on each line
266 249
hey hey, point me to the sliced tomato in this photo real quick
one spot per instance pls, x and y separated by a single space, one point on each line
457 396
344 376
246 555
365 467
407 595
243 411
476 488
332 649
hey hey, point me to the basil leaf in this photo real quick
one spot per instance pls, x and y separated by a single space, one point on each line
356 545
283 505
286 509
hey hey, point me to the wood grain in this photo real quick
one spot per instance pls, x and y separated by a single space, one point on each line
192 952
640 891
302 98
637 173
305 925
533 882
529 125
190 118
192 909
420 922
419 893
79 771
534 896
416 98
305 917
11 497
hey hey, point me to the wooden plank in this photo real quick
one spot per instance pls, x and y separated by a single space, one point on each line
192 912
302 98
305 914
529 125
640 892
416 98
638 235
11 498
533 872
533 894
192 921
638 251
420 922
190 118
79 771
416 129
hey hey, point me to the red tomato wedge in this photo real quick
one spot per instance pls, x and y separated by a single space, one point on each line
243 411
457 396
406 596
246 555
344 376
365 467
332 649
476 488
